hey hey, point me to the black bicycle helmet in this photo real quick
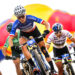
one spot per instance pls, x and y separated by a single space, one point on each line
9 27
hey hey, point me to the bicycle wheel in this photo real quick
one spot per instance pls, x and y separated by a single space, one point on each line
23 72
65 72
40 62
70 69
27 70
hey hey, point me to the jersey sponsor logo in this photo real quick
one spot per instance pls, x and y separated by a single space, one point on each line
28 27
23 27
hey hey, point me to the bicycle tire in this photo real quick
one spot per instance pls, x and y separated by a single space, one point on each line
23 72
40 62
65 73
70 69
27 69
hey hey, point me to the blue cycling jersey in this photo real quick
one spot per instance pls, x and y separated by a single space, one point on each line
27 26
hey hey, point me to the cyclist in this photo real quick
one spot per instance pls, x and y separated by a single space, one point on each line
58 38
27 28
16 51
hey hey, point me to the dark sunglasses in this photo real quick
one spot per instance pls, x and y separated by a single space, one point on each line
21 17
57 32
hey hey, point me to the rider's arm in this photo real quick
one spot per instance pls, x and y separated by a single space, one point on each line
12 33
38 20
47 25
69 35
5 47
47 45
11 41
4 51
49 40
72 44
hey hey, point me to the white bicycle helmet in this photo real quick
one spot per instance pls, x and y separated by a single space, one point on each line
19 10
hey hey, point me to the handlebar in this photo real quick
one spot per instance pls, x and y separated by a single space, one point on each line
63 56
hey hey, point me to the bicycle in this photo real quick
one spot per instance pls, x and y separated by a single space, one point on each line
38 56
67 64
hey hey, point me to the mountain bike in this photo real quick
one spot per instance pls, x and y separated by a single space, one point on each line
67 64
38 57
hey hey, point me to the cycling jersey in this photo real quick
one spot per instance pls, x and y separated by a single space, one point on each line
59 42
27 26
15 40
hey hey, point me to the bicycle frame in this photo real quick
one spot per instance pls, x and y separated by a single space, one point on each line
42 57
32 51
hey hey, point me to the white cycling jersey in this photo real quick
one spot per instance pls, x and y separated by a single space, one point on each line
59 42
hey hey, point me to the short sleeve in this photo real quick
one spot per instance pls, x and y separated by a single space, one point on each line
35 19
68 34
14 27
6 43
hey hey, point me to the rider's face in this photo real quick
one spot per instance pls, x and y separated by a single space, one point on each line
22 18
58 34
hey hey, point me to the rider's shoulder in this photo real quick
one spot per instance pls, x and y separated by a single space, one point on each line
64 31
30 16
16 22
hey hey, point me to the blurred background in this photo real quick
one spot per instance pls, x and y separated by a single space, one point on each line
62 11
7 6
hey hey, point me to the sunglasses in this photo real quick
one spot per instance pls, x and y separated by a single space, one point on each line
57 32
21 17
